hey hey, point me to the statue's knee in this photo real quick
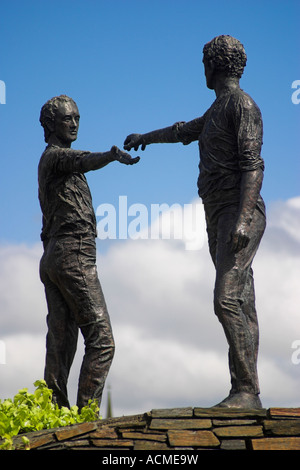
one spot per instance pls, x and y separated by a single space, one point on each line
226 307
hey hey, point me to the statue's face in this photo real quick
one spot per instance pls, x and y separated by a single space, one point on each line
66 122
209 73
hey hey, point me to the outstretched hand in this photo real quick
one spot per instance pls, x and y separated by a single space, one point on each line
123 157
134 141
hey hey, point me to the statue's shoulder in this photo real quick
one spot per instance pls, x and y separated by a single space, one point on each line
243 101
47 158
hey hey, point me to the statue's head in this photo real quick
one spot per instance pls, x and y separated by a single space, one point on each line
60 116
226 55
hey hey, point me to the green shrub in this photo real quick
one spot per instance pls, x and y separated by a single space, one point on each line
35 411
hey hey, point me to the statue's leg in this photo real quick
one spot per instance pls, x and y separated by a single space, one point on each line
235 308
62 334
82 290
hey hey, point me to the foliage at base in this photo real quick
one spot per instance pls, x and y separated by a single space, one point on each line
28 412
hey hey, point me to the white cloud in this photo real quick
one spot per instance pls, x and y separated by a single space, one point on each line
24 362
22 302
170 347
157 372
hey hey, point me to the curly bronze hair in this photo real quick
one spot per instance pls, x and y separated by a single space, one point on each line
227 54
49 110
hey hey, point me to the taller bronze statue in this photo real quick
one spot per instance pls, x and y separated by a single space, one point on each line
230 179
68 266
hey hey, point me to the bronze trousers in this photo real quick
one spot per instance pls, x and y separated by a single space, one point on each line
75 303
234 297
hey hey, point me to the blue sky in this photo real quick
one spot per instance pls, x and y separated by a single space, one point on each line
134 66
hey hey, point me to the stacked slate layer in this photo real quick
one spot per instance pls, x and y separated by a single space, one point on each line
188 429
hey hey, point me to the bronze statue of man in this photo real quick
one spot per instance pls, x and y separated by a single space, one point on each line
230 179
68 266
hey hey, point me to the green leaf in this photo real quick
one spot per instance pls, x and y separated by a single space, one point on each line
35 411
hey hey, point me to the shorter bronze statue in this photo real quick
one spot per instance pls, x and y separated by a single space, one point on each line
68 266
231 174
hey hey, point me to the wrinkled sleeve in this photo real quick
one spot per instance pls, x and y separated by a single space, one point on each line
67 160
249 132
187 132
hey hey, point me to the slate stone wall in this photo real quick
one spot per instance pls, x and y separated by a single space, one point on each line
185 429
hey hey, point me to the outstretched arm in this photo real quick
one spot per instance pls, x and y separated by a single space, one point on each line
67 160
160 136
97 160
185 132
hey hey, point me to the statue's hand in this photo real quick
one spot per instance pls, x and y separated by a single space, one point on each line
239 237
134 141
123 157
